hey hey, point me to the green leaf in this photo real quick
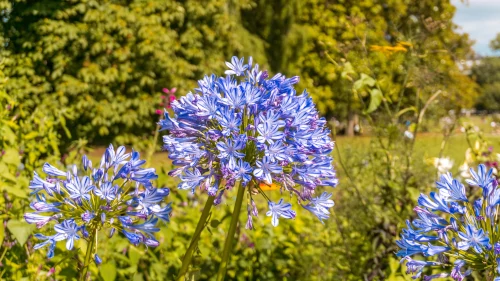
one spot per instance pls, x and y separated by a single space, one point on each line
16 190
108 271
134 255
138 277
5 173
20 229
364 81
375 100
348 71
31 135
11 156
214 223
8 135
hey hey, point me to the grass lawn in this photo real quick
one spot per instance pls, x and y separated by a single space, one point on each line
426 146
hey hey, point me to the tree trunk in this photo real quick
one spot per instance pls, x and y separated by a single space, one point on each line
353 120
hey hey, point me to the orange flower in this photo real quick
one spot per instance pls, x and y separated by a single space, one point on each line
265 186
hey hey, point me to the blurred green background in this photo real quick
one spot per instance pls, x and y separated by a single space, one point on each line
398 83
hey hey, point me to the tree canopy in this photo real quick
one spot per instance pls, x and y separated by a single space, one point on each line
102 64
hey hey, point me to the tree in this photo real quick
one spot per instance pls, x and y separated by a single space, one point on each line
314 33
487 75
102 64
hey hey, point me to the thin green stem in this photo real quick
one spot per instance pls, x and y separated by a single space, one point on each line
152 147
88 255
228 244
186 261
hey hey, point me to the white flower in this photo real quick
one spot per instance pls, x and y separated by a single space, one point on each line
443 165
464 171
408 135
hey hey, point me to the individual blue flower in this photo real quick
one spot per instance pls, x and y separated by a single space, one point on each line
477 239
42 206
37 184
319 206
456 272
162 213
457 191
243 171
230 121
53 171
269 133
417 235
38 220
416 267
229 151
266 168
235 98
79 188
48 241
191 179
434 250
277 152
83 202
68 229
435 202
236 67
280 209
482 178
132 237
410 247
248 129
107 191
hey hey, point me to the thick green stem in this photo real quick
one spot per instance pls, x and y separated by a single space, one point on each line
88 254
228 245
186 261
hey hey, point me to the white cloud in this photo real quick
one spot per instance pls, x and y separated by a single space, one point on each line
479 18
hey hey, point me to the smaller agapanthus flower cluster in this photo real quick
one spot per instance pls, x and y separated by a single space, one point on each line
118 195
249 129
460 229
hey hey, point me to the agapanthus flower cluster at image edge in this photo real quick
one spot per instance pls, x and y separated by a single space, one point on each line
116 196
249 129
460 229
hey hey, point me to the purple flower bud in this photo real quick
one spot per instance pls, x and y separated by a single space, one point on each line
87 216
249 224
496 248
151 243
84 231
255 212
112 232
86 162
97 259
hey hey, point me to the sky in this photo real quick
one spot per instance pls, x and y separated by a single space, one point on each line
481 19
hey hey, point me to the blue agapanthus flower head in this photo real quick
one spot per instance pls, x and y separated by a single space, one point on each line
116 195
459 228
249 129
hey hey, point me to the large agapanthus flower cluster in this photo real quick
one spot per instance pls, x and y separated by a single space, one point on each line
248 129
116 196
460 229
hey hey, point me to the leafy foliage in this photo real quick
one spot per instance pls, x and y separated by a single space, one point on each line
487 75
103 64
307 35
